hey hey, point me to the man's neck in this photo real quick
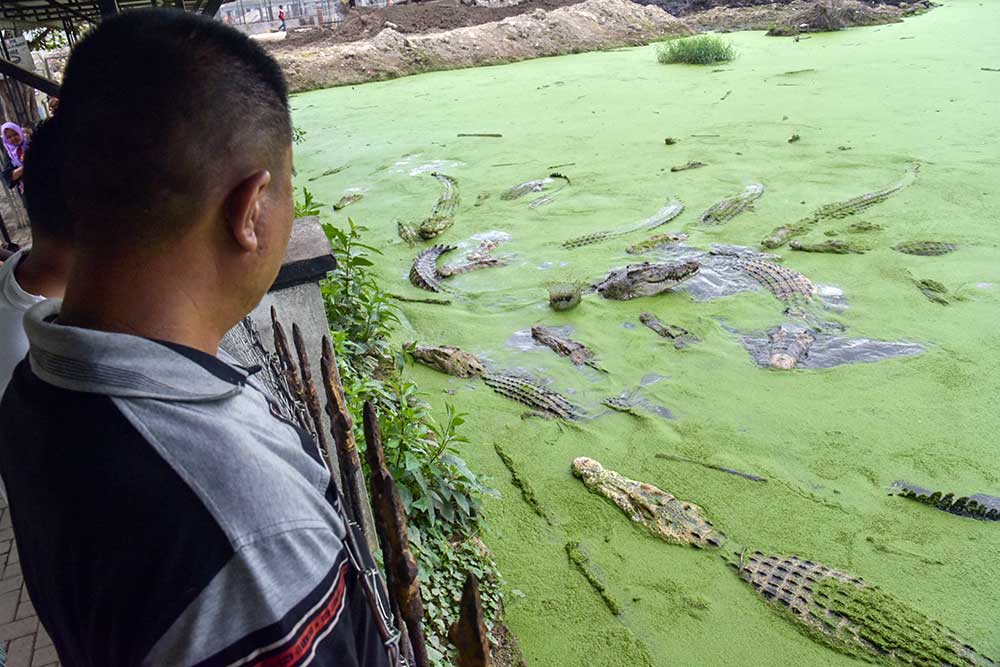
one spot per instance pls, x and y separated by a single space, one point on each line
151 302
43 271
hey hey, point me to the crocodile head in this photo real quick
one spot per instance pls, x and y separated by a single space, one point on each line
646 279
448 359
586 468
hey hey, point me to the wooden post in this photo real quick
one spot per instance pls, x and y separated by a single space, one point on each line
469 634
390 521
342 429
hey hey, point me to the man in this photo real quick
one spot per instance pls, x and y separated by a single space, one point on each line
281 17
30 276
164 514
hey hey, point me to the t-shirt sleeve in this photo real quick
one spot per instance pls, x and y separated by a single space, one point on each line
291 599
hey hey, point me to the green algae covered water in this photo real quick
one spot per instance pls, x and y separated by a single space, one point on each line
830 441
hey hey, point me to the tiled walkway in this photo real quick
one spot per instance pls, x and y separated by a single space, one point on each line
26 641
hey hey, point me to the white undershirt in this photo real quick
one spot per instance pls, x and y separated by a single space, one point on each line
14 302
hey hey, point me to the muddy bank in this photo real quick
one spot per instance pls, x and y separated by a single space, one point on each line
765 16
433 16
587 26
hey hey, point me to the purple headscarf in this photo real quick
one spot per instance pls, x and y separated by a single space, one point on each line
11 148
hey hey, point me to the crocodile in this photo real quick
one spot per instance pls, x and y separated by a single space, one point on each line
537 185
347 200
645 279
925 248
424 272
408 233
447 359
784 283
563 296
863 226
694 164
577 352
837 210
782 234
832 246
788 344
934 291
672 209
977 506
620 404
666 517
729 208
681 337
443 214
527 391
655 241
818 345
434 227
480 258
447 203
851 616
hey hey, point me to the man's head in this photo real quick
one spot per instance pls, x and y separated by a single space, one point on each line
178 145
42 185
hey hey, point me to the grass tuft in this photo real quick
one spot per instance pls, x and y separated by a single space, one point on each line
698 50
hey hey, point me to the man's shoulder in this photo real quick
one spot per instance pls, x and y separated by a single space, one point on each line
255 472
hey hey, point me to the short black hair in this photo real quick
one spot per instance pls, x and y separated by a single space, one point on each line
42 190
159 107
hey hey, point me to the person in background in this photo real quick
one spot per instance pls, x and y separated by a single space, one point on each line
39 272
16 145
164 512
281 17
53 104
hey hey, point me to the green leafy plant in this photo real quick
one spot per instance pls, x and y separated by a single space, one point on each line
298 135
441 495
307 205
698 50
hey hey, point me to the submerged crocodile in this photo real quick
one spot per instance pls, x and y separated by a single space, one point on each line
347 200
424 272
577 352
833 246
658 219
663 515
729 208
977 506
681 336
655 241
480 258
784 283
934 291
925 248
447 359
788 344
563 296
837 210
853 617
818 345
645 279
537 185
527 391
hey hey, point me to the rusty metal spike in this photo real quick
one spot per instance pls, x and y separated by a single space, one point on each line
285 357
390 521
469 634
310 397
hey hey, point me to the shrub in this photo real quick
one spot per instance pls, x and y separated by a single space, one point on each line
698 50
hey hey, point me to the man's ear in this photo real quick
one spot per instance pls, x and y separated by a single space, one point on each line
243 207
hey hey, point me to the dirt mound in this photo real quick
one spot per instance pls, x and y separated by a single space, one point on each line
436 15
587 26
787 17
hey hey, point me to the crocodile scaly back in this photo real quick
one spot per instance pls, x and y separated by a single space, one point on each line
424 272
851 616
